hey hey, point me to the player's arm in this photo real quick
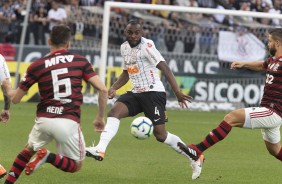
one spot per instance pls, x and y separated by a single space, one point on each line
7 100
5 114
4 73
182 98
15 95
255 65
121 81
96 82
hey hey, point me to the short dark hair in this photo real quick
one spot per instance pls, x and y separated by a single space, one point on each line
60 34
135 22
276 33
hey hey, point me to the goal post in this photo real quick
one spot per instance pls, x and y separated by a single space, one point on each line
109 4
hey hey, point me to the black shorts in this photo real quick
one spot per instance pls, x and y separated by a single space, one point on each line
151 103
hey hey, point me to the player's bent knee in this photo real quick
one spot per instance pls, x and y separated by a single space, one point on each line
160 138
230 119
78 166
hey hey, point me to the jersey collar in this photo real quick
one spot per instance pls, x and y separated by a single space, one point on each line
59 51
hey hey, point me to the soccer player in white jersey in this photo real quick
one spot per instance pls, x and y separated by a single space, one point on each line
142 61
5 114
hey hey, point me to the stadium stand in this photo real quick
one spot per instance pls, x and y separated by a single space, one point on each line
169 27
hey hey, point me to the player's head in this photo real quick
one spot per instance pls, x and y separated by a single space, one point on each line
274 40
133 32
60 36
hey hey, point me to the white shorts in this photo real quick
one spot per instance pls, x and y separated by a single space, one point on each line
67 134
268 121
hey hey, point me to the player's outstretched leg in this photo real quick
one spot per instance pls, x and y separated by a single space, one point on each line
44 156
216 135
93 152
2 171
191 150
197 159
97 152
197 167
64 163
173 141
41 157
18 166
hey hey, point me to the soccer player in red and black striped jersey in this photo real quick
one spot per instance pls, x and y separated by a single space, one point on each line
267 117
59 76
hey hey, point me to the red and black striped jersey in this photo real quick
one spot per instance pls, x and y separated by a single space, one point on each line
59 76
272 96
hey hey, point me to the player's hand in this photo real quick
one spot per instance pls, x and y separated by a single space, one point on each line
236 64
111 93
4 116
99 125
183 99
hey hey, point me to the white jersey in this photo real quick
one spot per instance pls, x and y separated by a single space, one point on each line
4 71
140 63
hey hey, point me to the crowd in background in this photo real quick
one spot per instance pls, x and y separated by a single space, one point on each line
171 31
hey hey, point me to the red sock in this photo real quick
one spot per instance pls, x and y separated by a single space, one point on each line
279 155
215 136
61 162
18 166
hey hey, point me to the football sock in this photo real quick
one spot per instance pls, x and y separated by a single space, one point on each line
279 155
18 166
172 141
108 133
61 162
215 136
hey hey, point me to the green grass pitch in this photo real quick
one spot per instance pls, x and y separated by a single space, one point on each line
240 158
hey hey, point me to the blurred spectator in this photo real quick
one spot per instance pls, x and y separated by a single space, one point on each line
192 17
76 20
40 25
139 1
20 11
256 5
206 40
7 16
88 2
277 4
223 19
116 31
265 21
245 5
268 3
189 39
206 3
38 3
276 10
56 15
162 13
170 38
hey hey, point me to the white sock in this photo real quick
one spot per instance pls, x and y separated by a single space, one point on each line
109 132
172 141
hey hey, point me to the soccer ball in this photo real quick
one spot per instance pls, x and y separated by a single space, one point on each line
141 127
